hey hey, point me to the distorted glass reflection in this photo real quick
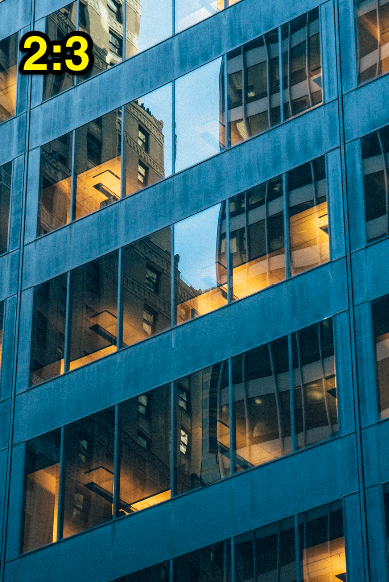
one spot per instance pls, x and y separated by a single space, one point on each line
48 330
55 184
314 381
373 38
148 139
322 546
260 383
267 554
375 166
380 315
210 564
253 87
147 23
199 115
98 163
189 12
144 431
58 25
308 216
88 460
200 266
202 448
93 319
8 75
301 63
257 244
5 198
146 287
41 491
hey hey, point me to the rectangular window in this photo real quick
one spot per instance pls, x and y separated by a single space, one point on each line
93 319
89 460
211 564
5 198
144 452
200 268
375 166
308 216
373 38
148 139
55 184
146 287
380 315
257 244
148 24
41 491
115 44
98 163
314 381
301 63
8 76
115 10
260 383
48 330
190 13
202 428
58 25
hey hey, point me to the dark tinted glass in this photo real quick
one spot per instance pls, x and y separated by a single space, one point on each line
210 564
8 64
380 313
158 573
5 197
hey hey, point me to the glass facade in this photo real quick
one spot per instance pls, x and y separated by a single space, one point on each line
380 316
8 74
373 39
5 201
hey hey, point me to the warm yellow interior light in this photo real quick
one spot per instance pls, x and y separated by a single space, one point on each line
324 562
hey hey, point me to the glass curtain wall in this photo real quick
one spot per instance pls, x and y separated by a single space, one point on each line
373 38
380 315
375 167
8 75
157 573
210 564
5 200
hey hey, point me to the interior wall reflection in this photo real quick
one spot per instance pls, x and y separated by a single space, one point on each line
55 184
373 38
144 428
380 314
41 491
202 449
8 75
375 167
5 200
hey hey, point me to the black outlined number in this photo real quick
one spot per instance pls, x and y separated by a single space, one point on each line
36 45
82 59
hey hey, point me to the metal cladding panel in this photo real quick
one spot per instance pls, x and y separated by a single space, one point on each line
14 15
356 205
355 556
263 157
348 40
344 372
9 274
228 331
377 535
370 271
375 446
366 108
16 203
13 133
8 348
212 514
5 408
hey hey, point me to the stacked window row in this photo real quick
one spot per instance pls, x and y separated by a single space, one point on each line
309 547
134 146
232 416
229 251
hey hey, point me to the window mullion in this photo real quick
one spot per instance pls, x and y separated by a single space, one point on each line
291 395
61 487
66 356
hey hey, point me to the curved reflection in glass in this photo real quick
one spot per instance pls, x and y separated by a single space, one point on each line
190 12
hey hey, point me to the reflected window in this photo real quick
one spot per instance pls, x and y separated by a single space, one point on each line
89 460
48 330
253 88
257 243
148 139
144 452
41 491
190 12
200 265
308 216
375 166
199 115
8 75
115 10
98 163
261 395
58 25
267 554
314 381
373 38
322 546
146 287
210 564
93 319
301 64
55 184
380 314
202 428
5 199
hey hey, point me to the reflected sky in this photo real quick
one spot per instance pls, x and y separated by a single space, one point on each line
197 115
159 103
195 240
155 22
189 12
